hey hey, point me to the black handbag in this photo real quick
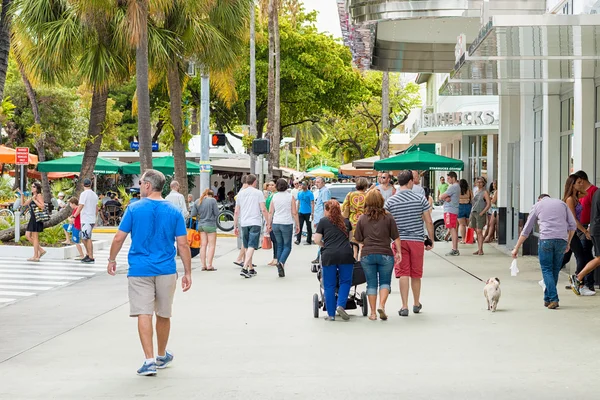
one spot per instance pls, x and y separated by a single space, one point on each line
41 215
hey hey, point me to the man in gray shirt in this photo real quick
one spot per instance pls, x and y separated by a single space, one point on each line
450 198
557 227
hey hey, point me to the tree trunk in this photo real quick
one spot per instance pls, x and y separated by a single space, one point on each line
177 121
272 97
275 149
252 106
143 92
4 43
39 143
195 126
384 149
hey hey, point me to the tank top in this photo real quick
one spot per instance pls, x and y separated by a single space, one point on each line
282 201
578 210
386 193
465 198
478 201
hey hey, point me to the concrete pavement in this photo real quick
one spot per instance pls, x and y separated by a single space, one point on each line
236 338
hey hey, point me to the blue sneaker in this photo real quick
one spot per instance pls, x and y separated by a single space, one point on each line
163 362
147 369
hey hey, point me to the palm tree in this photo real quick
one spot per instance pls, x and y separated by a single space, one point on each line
5 17
273 108
85 38
210 33
384 150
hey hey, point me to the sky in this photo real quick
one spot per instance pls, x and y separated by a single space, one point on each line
328 19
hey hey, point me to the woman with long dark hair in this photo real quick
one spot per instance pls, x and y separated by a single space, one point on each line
206 212
337 258
282 216
375 230
490 234
32 233
573 192
464 209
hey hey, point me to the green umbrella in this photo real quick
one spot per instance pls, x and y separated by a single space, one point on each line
326 168
166 165
104 166
420 160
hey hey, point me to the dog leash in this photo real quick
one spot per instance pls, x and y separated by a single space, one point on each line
459 267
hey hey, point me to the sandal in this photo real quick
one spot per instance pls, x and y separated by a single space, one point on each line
33 259
204 268
211 269
42 254
382 314
373 317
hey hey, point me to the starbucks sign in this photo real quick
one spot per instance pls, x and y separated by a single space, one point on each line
458 119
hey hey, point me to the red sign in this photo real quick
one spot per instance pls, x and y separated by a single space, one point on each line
22 156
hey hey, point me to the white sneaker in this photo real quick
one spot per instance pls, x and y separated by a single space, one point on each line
543 285
586 292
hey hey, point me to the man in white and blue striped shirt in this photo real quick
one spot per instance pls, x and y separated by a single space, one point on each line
410 209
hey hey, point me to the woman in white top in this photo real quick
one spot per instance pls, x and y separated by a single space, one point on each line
282 215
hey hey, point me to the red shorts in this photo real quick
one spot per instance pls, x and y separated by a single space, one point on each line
450 220
412 259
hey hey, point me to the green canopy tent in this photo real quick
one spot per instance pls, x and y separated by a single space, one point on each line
420 160
333 170
104 166
166 165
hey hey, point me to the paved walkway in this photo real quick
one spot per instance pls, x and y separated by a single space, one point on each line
236 338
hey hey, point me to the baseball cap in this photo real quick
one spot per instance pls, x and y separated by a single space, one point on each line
87 182
61 194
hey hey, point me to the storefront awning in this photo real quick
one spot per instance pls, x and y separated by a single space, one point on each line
533 54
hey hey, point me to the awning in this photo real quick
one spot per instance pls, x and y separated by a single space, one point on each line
7 156
166 165
527 55
348 169
419 160
231 165
104 166
365 162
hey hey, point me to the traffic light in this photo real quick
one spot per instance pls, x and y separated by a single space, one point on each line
218 139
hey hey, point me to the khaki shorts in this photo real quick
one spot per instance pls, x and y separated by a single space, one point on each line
150 294
477 221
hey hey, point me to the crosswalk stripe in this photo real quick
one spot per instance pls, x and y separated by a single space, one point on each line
42 266
45 272
25 287
33 282
5 300
21 276
18 294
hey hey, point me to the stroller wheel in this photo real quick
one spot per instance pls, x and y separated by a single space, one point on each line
364 305
316 305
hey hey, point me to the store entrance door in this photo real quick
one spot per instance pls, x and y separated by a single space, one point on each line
514 188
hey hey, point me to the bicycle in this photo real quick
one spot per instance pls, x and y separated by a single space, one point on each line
9 216
225 220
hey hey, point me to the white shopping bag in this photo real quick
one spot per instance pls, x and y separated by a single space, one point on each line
514 270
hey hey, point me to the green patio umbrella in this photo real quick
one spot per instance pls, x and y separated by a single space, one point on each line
166 165
325 168
104 166
421 160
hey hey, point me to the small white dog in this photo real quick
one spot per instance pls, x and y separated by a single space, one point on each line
492 292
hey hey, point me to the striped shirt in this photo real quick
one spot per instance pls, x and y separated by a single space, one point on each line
407 208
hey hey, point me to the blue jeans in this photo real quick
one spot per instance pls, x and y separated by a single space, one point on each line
283 236
378 271
330 281
551 253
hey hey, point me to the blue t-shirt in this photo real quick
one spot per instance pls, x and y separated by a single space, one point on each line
305 197
154 226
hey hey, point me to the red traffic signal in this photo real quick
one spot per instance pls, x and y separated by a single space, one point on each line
218 139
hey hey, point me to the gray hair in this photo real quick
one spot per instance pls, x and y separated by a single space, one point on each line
320 179
174 184
156 179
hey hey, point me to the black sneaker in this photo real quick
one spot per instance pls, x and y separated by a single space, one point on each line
297 242
252 272
575 284
280 270
88 260
85 259
245 274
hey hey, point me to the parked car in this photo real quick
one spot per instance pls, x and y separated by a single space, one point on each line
439 228
339 191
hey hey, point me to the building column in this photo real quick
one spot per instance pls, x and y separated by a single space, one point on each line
584 124
492 157
551 145
526 154
464 146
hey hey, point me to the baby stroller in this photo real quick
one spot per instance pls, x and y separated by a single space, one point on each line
354 299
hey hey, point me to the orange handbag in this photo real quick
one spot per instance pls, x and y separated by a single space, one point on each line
266 243
193 237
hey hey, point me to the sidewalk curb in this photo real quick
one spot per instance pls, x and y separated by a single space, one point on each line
113 229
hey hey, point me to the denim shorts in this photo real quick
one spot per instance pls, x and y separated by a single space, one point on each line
464 210
250 236
378 271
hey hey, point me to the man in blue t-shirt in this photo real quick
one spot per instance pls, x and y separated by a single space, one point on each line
155 225
306 210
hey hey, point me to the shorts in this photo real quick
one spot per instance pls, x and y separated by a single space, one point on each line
86 231
411 265
596 242
151 294
250 236
450 220
207 229
477 221
464 210
75 233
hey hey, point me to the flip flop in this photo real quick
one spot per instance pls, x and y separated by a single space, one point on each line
204 268
42 254
373 317
382 314
239 264
33 259
211 269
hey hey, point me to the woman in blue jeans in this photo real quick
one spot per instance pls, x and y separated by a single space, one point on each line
337 258
375 229
282 215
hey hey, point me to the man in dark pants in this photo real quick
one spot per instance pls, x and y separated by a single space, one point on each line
583 184
306 207
595 233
